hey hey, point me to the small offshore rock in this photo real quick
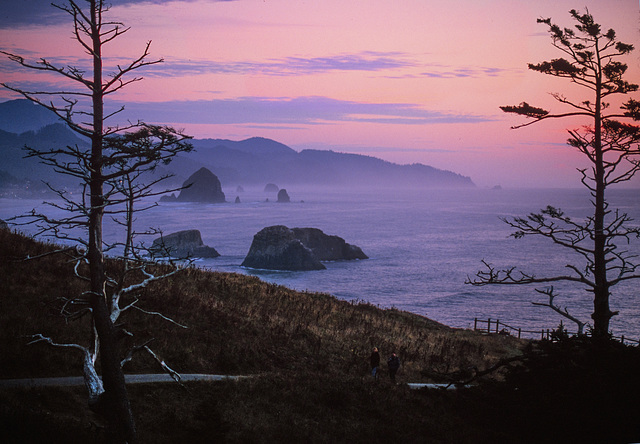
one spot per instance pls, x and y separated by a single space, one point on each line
181 245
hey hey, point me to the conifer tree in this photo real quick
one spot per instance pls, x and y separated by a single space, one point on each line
110 173
611 142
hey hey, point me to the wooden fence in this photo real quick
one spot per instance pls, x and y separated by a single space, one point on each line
497 327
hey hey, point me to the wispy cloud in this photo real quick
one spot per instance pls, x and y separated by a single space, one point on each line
450 72
312 110
295 65
367 61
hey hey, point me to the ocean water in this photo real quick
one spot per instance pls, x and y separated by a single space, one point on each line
422 245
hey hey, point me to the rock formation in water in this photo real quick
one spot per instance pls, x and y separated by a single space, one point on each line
276 248
327 247
237 199
181 245
283 196
201 186
171 198
271 188
297 249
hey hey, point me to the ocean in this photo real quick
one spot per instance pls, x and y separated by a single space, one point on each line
422 247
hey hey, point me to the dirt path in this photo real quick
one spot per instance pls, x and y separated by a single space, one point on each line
155 377
130 379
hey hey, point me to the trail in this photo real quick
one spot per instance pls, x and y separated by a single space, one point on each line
68 381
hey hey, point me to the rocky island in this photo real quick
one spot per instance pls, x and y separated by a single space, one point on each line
182 245
201 186
297 249
283 196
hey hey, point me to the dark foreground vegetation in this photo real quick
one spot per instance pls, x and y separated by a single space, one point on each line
309 354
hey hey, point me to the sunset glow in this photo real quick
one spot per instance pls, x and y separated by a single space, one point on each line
412 81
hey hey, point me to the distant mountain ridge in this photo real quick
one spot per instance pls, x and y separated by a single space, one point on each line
30 170
253 161
21 115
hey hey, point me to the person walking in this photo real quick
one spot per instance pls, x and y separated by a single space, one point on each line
394 364
375 362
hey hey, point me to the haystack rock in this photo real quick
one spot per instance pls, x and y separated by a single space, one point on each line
283 196
202 186
182 244
297 249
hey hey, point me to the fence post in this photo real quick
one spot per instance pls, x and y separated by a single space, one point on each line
497 325
622 339
475 324
489 325
519 332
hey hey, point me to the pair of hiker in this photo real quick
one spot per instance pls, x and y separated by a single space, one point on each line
393 363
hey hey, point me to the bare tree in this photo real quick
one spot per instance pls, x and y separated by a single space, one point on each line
111 173
613 149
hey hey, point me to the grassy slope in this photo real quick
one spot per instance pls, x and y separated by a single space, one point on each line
312 352
236 325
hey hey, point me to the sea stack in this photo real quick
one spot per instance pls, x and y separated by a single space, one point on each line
283 196
202 186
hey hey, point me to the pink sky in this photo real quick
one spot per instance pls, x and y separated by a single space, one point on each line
410 81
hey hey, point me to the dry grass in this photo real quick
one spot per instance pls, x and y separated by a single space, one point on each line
311 354
311 349
236 325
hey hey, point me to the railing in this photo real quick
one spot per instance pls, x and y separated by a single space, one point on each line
497 327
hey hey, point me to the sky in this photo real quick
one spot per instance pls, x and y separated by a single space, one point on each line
414 81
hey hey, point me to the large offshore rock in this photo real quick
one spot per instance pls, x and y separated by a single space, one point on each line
182 244
276 248
283 196
202 186
327 247
295 249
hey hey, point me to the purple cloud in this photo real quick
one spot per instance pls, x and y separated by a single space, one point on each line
290 111
295 65
447 72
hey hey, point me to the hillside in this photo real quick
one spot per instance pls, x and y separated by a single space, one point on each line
257 161
30 172
237 325
254 161
308 354
20 116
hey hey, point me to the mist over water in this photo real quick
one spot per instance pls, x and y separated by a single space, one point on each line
422 244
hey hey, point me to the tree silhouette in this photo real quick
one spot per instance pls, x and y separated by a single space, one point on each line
111 173
613 150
